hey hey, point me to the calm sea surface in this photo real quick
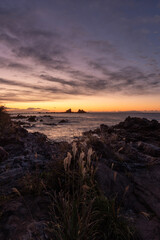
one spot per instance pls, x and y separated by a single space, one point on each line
78 123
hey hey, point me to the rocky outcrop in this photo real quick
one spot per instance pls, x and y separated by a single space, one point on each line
81 111
69 110
19 116
129 168
32 119
22 154
63 121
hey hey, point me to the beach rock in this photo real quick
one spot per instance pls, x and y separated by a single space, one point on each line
50 124
19 116
63 121
32 119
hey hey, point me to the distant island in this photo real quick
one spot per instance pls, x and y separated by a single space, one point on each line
79 111
69 110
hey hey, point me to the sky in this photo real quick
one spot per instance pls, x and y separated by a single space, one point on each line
96 55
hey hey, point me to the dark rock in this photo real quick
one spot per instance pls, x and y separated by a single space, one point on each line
50 124
129 168
3 154
26 125
19 116
149 149
48 116
69 111
104 128
24 153
81 111
32 119
138 124
63 121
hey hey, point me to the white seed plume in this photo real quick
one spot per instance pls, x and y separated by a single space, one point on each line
90 152
81 157
67 161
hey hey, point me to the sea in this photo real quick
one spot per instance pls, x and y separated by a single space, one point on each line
76 123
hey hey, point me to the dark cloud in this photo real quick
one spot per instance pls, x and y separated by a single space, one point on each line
58 80
11 64
26 40
39 54
52 36
129 80
88 85
19 66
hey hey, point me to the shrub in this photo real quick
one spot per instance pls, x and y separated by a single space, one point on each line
79 210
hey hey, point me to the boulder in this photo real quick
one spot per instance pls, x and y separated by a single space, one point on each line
63 121
32 119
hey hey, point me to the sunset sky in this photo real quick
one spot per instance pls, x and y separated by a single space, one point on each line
99 55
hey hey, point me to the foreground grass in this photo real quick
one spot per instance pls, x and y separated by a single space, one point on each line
79 210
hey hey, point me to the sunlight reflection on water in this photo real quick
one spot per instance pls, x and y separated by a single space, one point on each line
78 123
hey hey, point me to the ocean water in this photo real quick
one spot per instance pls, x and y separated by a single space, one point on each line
77 123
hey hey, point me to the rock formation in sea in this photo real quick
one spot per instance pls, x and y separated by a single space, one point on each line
69 110
81 111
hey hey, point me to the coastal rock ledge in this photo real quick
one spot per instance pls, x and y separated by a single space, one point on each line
128 168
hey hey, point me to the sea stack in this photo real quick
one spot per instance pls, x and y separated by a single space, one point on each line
81 111
69 111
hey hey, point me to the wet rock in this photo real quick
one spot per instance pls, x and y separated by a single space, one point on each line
19 116
48 116
50 124
138 124
26 125
32 119
63 121
104 128
149 149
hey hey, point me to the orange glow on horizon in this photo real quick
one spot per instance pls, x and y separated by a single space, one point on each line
93 104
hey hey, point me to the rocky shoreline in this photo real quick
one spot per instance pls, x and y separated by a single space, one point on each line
128 168
23 154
